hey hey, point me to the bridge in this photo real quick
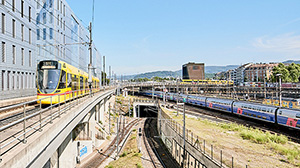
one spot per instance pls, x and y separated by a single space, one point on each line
61 134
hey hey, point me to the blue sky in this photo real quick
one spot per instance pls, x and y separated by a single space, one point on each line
147 35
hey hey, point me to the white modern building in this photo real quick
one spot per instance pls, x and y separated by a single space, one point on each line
62 36
35 30
17 36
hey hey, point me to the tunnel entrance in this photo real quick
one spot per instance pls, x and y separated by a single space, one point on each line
146 111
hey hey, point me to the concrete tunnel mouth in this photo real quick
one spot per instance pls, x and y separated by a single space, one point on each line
146 111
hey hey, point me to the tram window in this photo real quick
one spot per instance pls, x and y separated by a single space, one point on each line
69 80
81 82
62 82
74 82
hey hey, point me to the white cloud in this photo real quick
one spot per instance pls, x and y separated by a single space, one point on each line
288 43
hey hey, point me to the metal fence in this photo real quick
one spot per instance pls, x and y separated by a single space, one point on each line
214 153
18 131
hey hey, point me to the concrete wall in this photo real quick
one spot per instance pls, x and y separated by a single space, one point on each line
56 146
173 139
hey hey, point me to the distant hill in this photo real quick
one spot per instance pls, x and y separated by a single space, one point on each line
216 69
291 61
162 74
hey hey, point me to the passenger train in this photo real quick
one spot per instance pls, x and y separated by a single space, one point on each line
267 113
60 78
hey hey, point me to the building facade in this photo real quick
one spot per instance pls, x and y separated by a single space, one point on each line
238 75
17 36
31 31
62 36
259 72
194 71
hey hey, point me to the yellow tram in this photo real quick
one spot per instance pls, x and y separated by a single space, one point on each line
62 79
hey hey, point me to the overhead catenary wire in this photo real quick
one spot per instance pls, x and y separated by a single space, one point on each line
34 31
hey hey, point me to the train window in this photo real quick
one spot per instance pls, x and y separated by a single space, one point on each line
69 80
280 112
74 83
298 115
264 109
62 82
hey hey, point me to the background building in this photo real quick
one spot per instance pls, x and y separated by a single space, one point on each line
194 71
17 36
257 72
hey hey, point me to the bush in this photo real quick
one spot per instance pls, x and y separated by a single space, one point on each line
123 154
108 137
139 165
134 137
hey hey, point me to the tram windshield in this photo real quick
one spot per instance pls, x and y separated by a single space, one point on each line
48 80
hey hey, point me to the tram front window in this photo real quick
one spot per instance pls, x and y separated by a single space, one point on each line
48 80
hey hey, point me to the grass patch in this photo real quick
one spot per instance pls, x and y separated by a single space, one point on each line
260 137
130 156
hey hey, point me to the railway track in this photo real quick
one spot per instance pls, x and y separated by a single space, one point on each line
218 116
97 161
159 149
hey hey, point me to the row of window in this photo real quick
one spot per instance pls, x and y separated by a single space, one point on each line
44 31
13 54
13 27
60 6
44 20
14 80
12 5
58 51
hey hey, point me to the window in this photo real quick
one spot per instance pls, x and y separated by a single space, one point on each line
57 19
29 14
3 51
38 34
51 17
29 33
13 80
64 10
22 8
51 33
44 18
13 5
37 4
69 84
14 28
3 2
38 19
22 32
64 25
2 77
62 82
3 23
30 59
18 80
14 54
57 4
44 33
8 76
50 3
22 56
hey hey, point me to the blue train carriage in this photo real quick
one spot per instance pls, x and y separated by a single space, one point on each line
200 100
256 111
219 104
183 98
288 117
147 93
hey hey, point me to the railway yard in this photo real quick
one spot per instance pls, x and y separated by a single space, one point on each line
136 141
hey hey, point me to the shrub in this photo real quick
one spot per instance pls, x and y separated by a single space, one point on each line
134 137
139 165
108 137
123 154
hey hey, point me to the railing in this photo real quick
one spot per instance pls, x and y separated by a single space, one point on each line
209 151
31 123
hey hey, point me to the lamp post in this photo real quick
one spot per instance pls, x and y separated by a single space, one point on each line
280 103
184 152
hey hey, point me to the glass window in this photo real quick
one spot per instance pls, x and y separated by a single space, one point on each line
48 80
69 80
51 33
38 34
62 81
44 18
44 34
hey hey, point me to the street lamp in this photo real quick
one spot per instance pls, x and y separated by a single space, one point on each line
279 75
184 152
